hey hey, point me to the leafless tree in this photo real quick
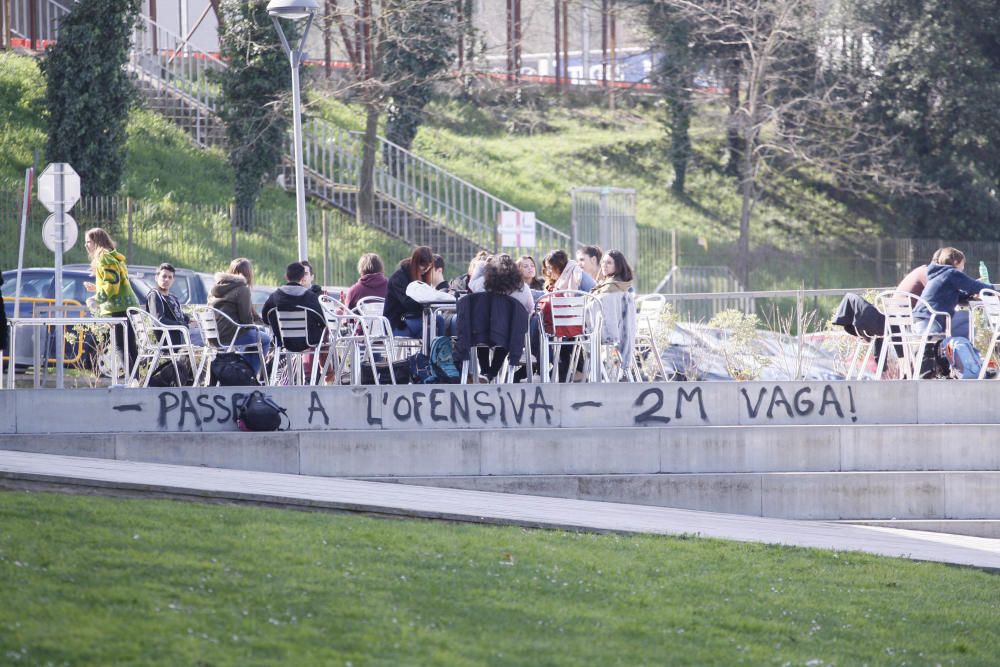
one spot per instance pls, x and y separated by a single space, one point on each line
800 108
372 32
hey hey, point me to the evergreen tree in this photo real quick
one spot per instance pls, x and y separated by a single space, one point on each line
256 95
89 93
675 74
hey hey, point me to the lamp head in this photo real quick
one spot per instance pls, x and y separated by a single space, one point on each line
292 9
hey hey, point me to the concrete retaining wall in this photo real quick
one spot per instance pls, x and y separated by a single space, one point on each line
662 405
716 449
825 496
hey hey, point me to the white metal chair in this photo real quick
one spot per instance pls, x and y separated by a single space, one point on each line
292 327
351 337
906 335
647 364
155 340
571 310
373 306
208 321
990 305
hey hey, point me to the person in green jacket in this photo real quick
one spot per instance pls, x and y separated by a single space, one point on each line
113 293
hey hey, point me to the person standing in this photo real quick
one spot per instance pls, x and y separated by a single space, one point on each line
113 294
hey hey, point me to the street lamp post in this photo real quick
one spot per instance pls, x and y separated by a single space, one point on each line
295 10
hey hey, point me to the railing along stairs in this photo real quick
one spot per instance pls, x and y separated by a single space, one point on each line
415 200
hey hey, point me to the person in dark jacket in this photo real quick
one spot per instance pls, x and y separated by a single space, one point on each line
309 278
372 282
494 319
293 296
947 284
404 314
3 324
166 307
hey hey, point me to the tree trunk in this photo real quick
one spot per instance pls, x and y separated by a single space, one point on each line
733 141
366 179
748 200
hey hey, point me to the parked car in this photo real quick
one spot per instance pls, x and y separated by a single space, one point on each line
190 287
39 283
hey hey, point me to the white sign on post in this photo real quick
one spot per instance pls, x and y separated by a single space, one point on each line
51 233
59 190
517 229
48 182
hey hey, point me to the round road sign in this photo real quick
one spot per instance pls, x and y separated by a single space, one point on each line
51 235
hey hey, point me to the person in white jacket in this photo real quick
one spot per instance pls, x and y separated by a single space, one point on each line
615 293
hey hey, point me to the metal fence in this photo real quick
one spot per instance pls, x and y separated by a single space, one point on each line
203 237
605 217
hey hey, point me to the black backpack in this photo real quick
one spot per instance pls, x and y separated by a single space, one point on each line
166 376
230 369
258 412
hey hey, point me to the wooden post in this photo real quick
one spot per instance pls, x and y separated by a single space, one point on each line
33 25
510 40
128 222
6 25
604 43
517 40
326 248
461 32
327 49
613 39
557 32
565 41
232 230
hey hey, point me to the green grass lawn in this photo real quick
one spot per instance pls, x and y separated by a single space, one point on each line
99 581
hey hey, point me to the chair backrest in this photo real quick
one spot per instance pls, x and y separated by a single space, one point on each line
208 321
990 300
650 308
898 309
370 305
572 308
294 325
335 305
144 325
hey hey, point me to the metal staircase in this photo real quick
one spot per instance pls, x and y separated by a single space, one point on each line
416 201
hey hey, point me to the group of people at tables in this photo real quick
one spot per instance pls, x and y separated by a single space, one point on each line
938 288
607 276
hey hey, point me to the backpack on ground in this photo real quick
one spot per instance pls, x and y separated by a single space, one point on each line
166 375
230 369
400 369
259 412
442 359
421 371
963 357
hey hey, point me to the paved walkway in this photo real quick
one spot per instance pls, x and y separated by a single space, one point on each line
16 468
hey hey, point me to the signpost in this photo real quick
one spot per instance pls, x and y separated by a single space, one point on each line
517 229
59 190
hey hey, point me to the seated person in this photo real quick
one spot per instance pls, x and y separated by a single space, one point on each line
947 284
231 296
166 307
460 284
293 296
404 314
617 298
371 283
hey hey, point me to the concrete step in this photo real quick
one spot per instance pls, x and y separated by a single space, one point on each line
926 496
971 527
538 451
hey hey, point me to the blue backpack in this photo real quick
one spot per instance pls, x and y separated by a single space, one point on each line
442 358
436 368
962 356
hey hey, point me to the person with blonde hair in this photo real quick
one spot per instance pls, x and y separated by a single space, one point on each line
371 280
113 294
231 295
